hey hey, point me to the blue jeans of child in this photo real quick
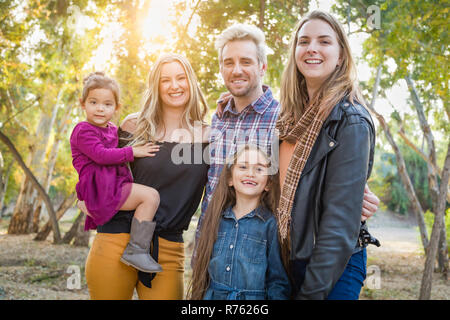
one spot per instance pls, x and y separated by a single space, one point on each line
351 282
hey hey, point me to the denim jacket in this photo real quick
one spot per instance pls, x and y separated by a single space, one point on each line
246 263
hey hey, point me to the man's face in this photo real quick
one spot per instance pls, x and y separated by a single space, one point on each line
240 69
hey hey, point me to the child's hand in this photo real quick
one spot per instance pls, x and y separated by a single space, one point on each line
147 150
82 207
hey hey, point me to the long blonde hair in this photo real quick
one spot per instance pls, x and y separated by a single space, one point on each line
150 117
294 98
223 197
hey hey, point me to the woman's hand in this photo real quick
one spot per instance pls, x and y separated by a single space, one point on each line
147 150
370 204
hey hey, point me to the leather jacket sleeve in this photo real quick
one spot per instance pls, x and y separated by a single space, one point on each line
341 204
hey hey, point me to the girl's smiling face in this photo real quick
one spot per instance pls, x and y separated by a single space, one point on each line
249 175
317 52
100 106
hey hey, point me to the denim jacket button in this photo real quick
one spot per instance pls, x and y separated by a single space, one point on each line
228 268
231 246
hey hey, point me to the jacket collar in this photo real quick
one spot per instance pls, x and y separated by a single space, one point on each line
337 112
344 107
259 212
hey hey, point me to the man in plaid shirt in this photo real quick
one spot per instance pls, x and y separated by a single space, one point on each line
249 117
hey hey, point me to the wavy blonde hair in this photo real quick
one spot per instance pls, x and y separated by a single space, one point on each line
150 117
341 83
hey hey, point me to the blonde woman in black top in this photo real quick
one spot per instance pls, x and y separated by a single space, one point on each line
172 117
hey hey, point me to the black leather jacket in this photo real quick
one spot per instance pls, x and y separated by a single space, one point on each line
328 201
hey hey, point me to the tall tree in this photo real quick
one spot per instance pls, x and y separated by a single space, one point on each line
49 58
413 38
425 288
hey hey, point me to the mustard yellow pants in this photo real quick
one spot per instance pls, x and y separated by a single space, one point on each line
109 279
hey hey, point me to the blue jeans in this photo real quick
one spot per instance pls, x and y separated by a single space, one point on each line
351 282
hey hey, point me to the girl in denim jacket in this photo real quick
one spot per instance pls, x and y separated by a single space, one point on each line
238 250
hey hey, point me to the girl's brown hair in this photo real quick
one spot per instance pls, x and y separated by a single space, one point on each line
294 98
98 80
223 197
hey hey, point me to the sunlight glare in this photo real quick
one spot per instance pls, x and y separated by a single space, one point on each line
156 29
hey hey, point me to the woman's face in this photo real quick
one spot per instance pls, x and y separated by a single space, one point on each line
173 86
317 52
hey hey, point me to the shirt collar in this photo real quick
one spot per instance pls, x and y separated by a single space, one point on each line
259 212
259 105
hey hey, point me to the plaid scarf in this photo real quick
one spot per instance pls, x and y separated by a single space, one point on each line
305 131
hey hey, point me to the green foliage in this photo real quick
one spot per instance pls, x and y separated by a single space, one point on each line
41 65
387 185
412 41
414 36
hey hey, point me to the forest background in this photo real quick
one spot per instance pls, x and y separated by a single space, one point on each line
48 46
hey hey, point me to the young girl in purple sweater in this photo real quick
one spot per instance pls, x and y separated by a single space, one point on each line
105 183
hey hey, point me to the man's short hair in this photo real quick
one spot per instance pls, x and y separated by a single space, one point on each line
243 32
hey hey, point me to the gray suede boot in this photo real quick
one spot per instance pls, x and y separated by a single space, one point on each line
137 252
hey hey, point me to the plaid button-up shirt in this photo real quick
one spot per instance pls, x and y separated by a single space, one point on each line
253 125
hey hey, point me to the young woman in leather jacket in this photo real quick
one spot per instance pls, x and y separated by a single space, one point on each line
326 155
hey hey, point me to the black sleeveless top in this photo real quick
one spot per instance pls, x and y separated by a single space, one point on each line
178 172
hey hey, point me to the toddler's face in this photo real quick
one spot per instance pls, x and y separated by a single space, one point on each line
100 106
249 175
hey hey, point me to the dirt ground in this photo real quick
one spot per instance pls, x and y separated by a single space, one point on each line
43 271
395 269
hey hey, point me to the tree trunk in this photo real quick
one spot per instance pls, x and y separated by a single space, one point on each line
37 215
60 133
401 166
21 221
432 177
443 252
37 186
65 205
82 237
262 9
4 185
22 214
427 279
2 181
77 232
